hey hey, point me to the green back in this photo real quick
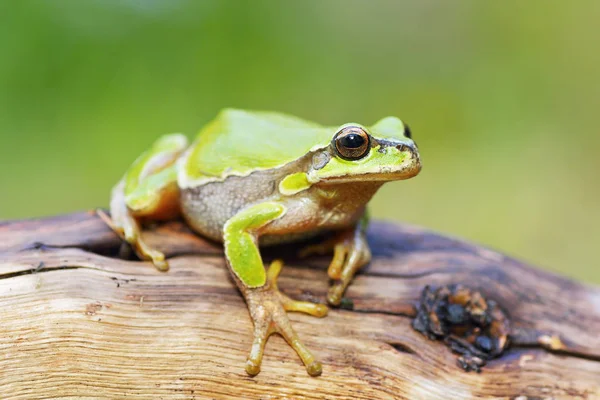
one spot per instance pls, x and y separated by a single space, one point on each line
238 142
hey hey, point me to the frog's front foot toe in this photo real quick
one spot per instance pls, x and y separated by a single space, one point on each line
314 309
335 294
253 366
268 309
146 252
349 256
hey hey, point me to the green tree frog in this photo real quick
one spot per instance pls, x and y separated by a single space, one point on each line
252 179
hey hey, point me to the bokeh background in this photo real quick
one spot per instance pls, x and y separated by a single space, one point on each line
502 97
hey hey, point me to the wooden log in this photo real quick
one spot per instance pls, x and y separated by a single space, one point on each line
77 321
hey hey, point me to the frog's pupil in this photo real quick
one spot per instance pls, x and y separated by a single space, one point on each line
352 141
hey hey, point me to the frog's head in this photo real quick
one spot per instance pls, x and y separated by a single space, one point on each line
382 152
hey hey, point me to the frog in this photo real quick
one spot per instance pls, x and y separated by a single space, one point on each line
253 179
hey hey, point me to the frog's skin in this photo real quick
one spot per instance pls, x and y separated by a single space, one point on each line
256 178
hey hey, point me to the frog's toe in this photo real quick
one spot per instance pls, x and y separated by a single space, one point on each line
348 258
289 304
160 263
334 295
258 347
340 252
338 245
252 367
306 307
146 252
284 328
314 369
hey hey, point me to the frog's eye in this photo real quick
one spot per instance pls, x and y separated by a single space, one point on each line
352 143
407 132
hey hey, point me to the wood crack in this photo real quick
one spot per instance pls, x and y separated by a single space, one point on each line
37 271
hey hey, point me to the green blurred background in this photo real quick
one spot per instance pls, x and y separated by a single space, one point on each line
502 98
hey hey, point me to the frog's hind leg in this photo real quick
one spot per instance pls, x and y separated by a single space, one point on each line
148 191
127 226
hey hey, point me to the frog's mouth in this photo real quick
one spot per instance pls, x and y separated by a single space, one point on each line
382 175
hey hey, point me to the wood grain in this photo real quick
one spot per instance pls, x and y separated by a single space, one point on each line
76 321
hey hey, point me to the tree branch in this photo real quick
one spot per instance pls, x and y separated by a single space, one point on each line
79 320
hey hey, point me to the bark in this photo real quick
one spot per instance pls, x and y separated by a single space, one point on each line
80 320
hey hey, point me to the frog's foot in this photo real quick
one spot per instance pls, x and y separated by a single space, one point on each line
129 230
350 253
268 309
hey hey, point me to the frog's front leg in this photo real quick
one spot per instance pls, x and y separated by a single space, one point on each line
268 307
148 191
350 253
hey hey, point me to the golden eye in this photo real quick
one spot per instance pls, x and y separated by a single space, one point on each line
352 143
